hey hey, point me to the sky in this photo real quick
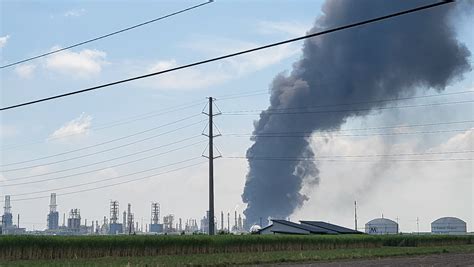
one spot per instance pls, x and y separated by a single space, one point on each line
160 111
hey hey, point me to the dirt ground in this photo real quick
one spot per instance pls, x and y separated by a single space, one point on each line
428 260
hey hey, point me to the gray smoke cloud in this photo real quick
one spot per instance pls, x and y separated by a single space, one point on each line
385 60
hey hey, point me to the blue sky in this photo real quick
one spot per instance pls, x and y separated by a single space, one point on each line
31 28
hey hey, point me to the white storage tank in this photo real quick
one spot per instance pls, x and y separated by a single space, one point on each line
448 225
381 226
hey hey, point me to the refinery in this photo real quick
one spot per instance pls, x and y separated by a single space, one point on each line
124 223
117 222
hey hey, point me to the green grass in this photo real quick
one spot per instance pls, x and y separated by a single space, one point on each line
72 247
222 259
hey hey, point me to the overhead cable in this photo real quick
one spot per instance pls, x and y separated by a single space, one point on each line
311 35
104 36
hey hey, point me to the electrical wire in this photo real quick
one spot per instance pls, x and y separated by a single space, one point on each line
88 165
341 160
110 141
128 120
375 155
345 135
105 36
111 185
366 128
106 179
347 26
265 111
265 92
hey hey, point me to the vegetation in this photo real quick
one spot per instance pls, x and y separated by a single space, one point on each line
248 258
73 247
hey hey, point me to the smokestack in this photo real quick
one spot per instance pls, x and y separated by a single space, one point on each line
355 215
384 60
235 220
7 208
222 221
52 203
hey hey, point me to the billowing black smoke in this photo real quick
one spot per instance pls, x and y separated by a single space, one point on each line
384 60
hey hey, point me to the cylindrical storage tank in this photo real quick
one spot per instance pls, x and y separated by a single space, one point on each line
381 226
448 225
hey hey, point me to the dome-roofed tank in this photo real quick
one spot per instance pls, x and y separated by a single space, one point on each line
255 228
448 225
381 226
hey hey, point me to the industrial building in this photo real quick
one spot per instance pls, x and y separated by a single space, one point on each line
53 215
114 226
304 228
74 220
7 217
155 225
74 224
7 226
448 226
130 227
332 227
171 225
381 226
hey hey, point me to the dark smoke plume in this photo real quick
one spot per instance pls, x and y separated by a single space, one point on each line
384 60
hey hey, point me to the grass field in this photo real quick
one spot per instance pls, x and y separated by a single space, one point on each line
248 258
176 250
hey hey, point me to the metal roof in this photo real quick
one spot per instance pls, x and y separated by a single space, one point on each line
332 227
449 220
309 228
383 221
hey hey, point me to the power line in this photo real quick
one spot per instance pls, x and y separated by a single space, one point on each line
128 120
115 184
95 153
105 36
111 141
373 155
117 177
363 102
369 128
344 135
263 92
91 171
252 112
341 160
102 180
357 24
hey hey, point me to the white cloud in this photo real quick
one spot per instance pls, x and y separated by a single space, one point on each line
219 72
406 190
3 40
25 70
74 12
79 126
292 28
81 64
463 141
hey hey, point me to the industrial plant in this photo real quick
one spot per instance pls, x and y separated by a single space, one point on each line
115 224
223 223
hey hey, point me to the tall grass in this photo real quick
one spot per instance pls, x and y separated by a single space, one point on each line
71 247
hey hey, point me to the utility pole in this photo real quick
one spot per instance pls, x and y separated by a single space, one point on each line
355 214
211 158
